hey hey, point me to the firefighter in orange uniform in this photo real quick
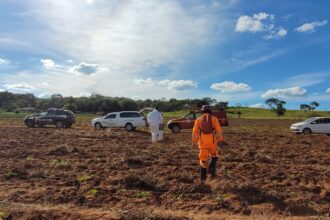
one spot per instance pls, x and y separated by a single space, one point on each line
206 134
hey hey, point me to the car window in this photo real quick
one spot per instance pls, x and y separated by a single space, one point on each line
69 113
190 116
318 121
50 113
327 121
59 112
130 115
43 113
110 116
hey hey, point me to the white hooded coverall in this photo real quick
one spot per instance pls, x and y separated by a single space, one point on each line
155 118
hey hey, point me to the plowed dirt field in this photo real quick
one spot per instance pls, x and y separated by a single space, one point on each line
264 172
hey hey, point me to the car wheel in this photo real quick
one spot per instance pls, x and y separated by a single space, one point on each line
129 127
68 125
175 128
30 124
307 131
40 125
59 124
97 126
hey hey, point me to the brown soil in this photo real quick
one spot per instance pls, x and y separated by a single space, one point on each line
264 172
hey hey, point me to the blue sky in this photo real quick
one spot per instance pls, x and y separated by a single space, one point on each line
231 50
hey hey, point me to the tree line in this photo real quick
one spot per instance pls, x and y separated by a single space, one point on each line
277 106
11 102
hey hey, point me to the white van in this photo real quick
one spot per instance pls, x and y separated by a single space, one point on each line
129 120
316 125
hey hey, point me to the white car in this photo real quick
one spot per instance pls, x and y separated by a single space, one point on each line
317 125
129 120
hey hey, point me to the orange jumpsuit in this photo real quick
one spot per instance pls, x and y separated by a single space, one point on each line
207 143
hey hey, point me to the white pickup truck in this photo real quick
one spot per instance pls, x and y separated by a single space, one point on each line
129 120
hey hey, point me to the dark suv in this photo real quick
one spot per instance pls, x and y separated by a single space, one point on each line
53 116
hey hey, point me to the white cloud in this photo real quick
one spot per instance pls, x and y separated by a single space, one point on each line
282 32
89 2
46 84
4 61
230 87
328 90
133 35
83 94
171 85
48 63
307 79
276 34
44 95
310 27
145 82
258 105
256 23
19 87
179 85
285 93
132 39
261 22
85 68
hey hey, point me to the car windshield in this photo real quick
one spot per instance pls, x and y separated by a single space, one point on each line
43 113
309 120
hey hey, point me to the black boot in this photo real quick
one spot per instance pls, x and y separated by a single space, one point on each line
203 174
212 167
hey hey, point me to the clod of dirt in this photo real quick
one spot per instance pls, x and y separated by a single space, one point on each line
254 195
138 182
80 200
39 175
265 159
17 172
60 151
75 150
194 188
134 162
36 217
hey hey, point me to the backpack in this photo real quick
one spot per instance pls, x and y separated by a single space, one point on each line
206 124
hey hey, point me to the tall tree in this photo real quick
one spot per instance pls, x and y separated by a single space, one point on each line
272 103
314 105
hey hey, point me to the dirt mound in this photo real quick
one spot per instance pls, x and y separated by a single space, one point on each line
60 151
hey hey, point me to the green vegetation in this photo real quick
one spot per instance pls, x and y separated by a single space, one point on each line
85 178
221 198
259 113
179 197
143 194
57 162
93 192
15 106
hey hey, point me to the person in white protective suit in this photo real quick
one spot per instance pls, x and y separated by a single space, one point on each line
154 119
161 128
